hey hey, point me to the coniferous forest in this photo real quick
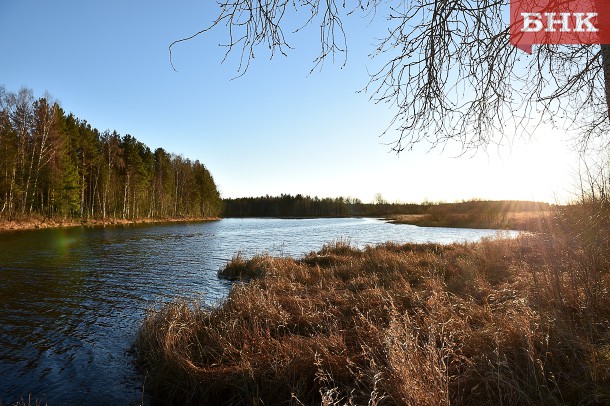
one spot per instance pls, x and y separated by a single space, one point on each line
287 205
56 165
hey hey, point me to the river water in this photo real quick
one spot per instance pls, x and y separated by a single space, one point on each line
71 300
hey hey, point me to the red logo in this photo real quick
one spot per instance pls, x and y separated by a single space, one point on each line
559 22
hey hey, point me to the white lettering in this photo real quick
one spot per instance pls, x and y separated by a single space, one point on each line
532 22
551 21
580 22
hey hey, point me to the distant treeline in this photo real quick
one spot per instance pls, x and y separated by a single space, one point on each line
57 165
306 206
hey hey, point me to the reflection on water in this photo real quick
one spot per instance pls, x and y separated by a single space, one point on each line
71 300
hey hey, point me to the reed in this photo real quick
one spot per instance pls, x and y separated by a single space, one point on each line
519 321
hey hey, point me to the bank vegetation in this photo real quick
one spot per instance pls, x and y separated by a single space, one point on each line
521 321
502 214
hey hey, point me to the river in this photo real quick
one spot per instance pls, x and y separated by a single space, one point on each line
71 300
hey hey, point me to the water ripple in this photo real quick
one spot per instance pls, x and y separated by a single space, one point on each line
72 300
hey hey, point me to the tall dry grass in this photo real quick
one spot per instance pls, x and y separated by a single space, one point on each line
504 322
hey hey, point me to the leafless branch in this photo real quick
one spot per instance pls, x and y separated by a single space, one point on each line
448 68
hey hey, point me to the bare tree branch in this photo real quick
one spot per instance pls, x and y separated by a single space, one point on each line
448 67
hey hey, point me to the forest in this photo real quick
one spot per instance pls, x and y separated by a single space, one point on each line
286 205
55 165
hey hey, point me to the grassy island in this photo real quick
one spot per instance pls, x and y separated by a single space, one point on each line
521 321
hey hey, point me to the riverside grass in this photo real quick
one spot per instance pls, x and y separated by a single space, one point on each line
521 321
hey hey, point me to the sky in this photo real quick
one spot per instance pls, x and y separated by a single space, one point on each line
280 128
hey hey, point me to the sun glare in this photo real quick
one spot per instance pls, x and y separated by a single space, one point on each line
541 169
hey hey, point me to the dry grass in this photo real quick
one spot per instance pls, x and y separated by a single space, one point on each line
513 322
449 215
36 222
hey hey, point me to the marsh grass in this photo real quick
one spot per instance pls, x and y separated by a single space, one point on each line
519 321
504 215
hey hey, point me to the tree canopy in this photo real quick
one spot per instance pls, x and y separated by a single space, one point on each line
55 165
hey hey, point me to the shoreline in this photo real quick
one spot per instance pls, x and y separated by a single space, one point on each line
413 323
37 223
523 221
529 222
533 221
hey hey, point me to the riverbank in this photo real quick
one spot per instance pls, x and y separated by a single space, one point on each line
516 321
524 221
533 221
35 222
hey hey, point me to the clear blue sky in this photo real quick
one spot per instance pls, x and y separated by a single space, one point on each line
277 129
